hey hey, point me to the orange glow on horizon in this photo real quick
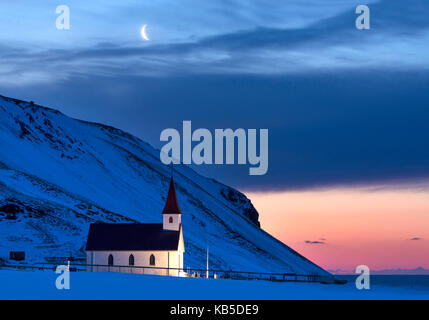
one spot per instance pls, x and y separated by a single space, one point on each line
360 226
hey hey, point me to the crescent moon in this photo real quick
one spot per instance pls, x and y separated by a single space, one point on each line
143 33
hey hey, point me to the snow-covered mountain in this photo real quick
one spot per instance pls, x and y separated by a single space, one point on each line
58 175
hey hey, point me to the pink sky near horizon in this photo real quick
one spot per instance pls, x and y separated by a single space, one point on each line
360 226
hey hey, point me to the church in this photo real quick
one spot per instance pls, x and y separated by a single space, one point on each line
147 248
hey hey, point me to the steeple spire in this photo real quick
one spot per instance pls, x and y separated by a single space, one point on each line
171 205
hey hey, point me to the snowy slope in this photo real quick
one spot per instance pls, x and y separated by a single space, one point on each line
57 175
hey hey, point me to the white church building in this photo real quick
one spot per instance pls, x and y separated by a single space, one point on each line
147 248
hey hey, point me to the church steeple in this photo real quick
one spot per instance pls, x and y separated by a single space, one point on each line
171 213
171 205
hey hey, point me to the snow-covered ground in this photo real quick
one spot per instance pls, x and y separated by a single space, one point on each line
84 285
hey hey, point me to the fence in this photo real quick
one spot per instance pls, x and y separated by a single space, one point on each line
188 272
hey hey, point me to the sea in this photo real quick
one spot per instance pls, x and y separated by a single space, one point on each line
417 282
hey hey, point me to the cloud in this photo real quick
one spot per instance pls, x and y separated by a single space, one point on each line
330 43
416 239
314 242
169 20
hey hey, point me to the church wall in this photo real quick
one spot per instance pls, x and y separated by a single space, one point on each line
164 259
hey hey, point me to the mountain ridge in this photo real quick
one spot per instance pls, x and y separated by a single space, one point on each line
60 174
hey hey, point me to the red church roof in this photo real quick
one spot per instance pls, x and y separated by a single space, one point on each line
171 205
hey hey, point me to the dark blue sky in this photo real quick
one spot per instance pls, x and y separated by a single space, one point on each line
344 107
